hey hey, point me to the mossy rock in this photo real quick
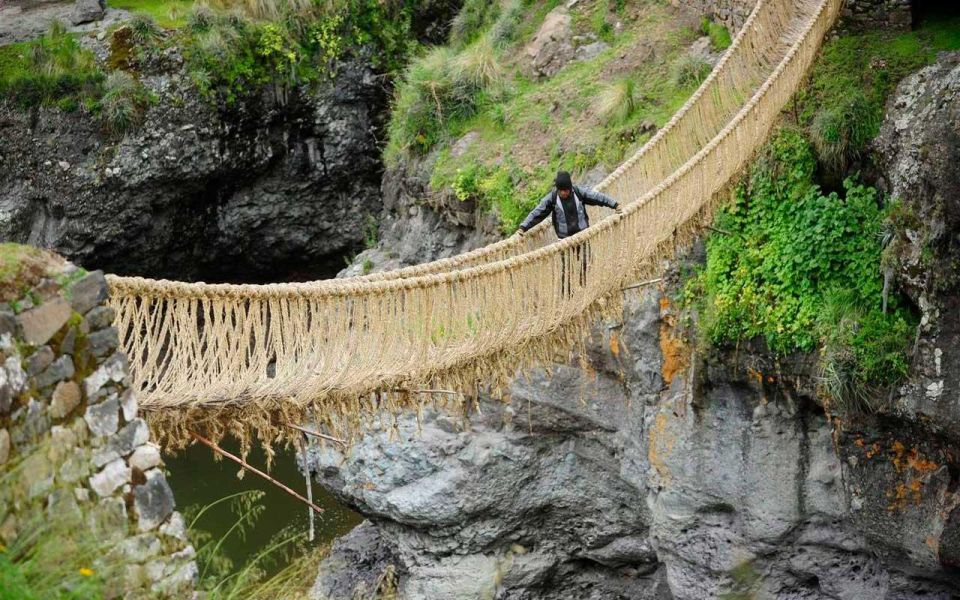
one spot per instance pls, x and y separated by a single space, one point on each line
22 266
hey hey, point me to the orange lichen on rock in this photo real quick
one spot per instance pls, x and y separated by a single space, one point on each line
916 468
919 464
661 444
898 450
899 498
615 344
673 349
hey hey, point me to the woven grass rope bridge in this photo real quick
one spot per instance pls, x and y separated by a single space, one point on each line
246 360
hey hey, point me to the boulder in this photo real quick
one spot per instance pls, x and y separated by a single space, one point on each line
551 48
90 291
87 11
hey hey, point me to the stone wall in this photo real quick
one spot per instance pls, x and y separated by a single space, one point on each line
731 13
72 444
870 15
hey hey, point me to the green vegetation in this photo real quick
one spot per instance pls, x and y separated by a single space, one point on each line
523 129
167 13
123 103
719 35
231 48
20 267
284 569
801 269
49 561
52 69
743 581
849 85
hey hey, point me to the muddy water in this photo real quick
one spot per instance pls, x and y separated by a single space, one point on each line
198 480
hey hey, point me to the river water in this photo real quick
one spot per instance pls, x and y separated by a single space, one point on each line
198 480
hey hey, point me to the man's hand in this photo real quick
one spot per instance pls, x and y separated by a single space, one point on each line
617 209
520 233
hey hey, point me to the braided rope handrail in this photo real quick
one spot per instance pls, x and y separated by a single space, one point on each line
237 356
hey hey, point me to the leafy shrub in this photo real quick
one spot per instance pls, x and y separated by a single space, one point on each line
792 252
466 185
841 132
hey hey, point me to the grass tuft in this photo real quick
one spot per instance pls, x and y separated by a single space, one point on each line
840 133
124 101
47 70
617 101
689 71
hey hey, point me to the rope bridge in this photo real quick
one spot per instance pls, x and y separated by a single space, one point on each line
249 359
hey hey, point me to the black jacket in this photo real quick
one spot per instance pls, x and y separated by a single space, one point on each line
550 204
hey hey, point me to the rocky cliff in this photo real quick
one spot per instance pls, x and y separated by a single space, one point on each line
274 187
647 469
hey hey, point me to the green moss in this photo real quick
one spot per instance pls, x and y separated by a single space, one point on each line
743 578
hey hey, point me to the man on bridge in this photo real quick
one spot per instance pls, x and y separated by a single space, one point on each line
566 204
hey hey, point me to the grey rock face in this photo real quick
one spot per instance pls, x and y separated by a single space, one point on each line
918 150
153 501
534 499
104 418
418 225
